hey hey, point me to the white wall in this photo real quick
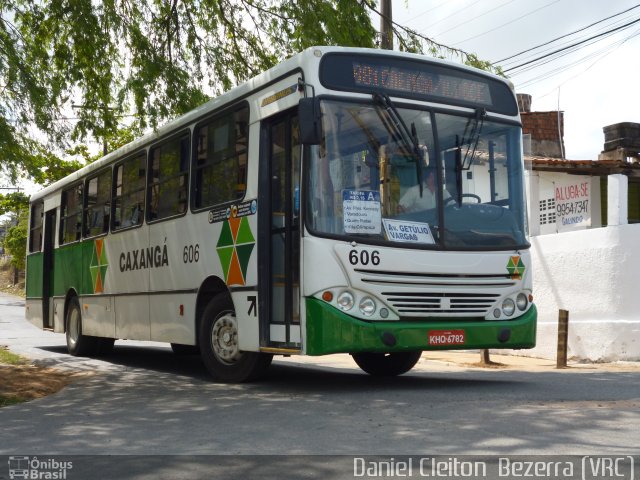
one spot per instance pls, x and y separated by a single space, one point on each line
594 275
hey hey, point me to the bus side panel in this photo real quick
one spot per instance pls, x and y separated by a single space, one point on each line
172 318
192 249
132 317
34 278
33 311
117 261
98 317
33 305
182 246
70 269
58 315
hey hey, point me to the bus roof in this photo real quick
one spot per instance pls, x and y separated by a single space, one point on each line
297 61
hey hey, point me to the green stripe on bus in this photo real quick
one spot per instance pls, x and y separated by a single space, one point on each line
34 278
332 331
71 268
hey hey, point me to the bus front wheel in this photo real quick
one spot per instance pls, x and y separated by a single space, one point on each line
219 349
386 364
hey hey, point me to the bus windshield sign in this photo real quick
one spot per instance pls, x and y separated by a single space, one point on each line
416 79
413 80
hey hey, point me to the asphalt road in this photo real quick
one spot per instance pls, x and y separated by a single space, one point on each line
143 400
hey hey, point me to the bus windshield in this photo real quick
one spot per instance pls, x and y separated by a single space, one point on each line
416 178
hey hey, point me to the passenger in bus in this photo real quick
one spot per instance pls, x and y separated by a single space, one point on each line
412 201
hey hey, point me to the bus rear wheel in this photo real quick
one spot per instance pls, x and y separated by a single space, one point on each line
218 340
78 345
386 364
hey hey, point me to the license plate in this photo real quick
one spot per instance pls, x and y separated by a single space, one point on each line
439 338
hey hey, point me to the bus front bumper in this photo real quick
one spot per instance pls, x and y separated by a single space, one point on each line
332 331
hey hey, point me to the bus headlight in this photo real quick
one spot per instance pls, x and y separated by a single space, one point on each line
508 307
522 302
345 301
367 306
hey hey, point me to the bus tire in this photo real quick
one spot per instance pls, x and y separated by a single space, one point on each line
218 341
78 345
184 350
386 364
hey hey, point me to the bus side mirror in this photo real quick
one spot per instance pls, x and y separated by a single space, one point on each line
309 121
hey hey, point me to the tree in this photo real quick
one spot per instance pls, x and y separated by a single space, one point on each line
15 241
16 206
147 61
13 203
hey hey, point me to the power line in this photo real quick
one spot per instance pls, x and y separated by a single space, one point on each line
428 11
549 48
564 36
452 15
476 17
572 45
507 23
585 70
563 54
602 53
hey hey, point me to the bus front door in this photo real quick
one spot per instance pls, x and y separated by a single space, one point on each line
47 266
279 253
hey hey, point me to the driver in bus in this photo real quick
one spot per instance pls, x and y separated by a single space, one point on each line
412 201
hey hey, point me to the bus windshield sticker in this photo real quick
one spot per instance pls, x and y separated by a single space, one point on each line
243 209
404 231
361 211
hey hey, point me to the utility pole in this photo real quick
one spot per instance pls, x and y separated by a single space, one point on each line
105 149
386 26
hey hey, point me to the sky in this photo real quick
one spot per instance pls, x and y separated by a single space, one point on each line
596 85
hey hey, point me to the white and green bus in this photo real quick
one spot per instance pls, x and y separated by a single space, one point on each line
345 201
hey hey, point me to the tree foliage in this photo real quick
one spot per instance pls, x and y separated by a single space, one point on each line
125 61
16 206
13 203
151 60
15 242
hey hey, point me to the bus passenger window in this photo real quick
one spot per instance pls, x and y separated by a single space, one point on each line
35 235
130 177
71 216
220 163
169 171
98 204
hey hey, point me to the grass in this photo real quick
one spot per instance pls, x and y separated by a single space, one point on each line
10 358
6 400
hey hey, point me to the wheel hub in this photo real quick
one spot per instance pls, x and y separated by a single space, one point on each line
224 338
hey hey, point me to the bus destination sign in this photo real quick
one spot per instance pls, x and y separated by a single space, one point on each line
411 80
425 80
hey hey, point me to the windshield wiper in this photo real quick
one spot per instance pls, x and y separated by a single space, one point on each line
408 137
474 137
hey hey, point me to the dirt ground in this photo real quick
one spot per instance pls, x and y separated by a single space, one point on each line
21 383
6 280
